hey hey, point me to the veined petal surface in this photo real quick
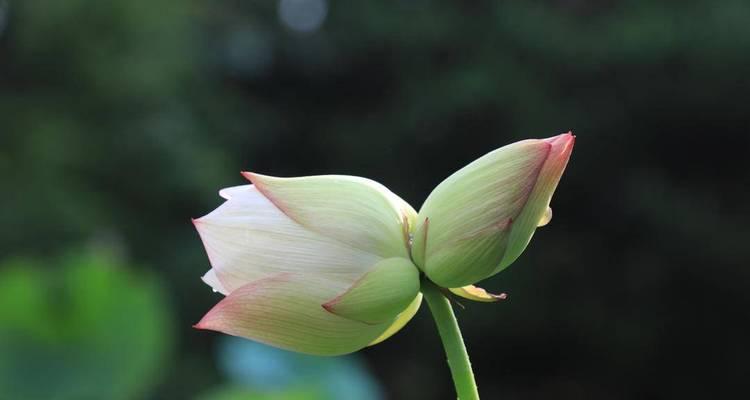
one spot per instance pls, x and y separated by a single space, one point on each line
479 220
535 211
381 294
210 279
248 238
284 310
281 252
476 203
357 211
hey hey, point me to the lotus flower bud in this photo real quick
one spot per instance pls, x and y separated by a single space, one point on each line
480 219
318 265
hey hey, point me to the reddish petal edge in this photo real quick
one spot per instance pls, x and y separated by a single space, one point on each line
256 180
562 144
205 322
562 147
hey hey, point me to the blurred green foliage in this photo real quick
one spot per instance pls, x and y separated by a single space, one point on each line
240 393
85 327
119 120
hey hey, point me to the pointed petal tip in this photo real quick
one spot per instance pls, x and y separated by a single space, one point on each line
228 192
200 325
199 226
261 184
562 139
569 137
561 145
497 297
204 323
254 177
259 180
198 222
250 176
212 319
212 280
329 306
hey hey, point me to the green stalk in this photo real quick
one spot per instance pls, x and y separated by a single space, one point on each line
453 343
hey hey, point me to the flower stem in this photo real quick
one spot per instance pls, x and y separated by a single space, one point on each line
453 343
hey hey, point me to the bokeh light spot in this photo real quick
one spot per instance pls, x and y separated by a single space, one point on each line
303 15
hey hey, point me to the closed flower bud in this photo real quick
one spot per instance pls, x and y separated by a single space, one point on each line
480 219
317 265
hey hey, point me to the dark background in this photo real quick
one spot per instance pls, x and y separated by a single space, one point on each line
120 120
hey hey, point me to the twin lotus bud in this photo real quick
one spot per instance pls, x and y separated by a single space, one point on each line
479 220
330 264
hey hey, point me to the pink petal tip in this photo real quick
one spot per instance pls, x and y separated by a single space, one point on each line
250 176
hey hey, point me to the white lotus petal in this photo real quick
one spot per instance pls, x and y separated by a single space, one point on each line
249 238
228 192
212 280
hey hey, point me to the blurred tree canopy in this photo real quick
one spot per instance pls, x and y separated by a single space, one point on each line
120 120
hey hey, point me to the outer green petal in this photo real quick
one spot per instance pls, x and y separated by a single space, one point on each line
381 294
401 320
474 293
357 211
284 311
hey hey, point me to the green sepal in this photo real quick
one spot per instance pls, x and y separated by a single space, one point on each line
474 293
381 294
401 320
